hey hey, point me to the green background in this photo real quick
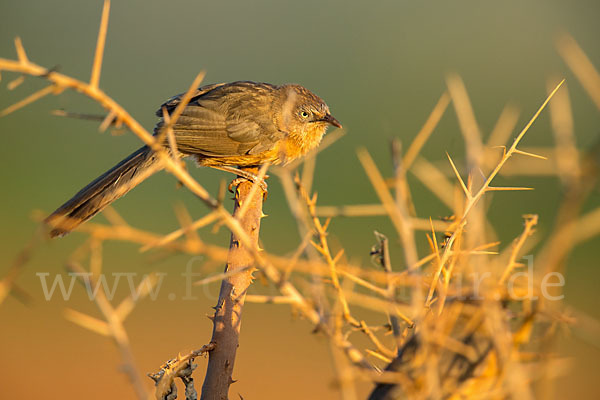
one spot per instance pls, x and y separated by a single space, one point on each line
381 67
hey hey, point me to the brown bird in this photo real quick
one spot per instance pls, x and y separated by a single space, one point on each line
226 125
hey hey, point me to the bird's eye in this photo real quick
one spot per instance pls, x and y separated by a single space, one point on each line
303 114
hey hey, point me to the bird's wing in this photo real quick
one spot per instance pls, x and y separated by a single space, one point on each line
174 101
226 120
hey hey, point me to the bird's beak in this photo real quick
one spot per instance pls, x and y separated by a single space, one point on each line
331 120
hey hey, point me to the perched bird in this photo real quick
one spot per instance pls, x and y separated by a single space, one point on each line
224 126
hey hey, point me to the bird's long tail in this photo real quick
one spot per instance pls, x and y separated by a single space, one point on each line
105 189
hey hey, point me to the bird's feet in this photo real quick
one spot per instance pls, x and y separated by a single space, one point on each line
249 177
242 176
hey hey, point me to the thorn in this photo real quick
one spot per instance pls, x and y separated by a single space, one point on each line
462 184
317 329
219 305
21 51
262 214
338 256
316 246
27 100
500 147
15 83
503 188
211 317
108 120
481 173
470 181
525 153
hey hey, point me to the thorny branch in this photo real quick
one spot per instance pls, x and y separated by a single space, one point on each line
181 367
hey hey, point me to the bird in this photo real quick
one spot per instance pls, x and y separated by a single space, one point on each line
226 126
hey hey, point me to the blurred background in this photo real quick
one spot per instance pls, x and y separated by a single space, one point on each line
381 66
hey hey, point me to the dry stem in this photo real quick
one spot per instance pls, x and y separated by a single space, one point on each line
228 311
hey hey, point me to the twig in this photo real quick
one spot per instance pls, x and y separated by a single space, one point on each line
581 66
97 67
30 99
432 121
180 367
530 222
323 248
204 221
398 219
7 283
472 200
63 82
255 298
504 126
113 325
567 156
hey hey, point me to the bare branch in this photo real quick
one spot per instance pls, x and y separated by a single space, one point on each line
97 66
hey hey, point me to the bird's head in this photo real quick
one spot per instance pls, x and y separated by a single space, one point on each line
303 112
